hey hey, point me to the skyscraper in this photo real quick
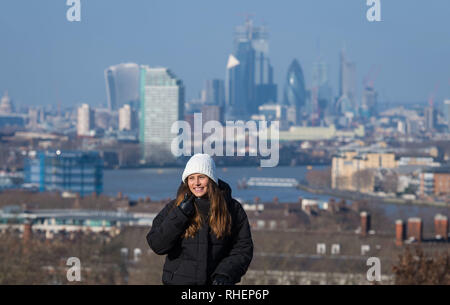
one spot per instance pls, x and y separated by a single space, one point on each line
447 112
266 90
85 120
294 90
344 105
369 102
215 92
122 85
249 81
162 104
127 118
33 118
233 96
212 113
430 118
241 82
319 73
322 94
347 84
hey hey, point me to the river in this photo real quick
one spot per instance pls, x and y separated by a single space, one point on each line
162 183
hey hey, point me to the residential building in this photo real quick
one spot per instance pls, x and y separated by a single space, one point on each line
435 181
69 222
352 170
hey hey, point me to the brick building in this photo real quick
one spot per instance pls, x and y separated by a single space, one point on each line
435 181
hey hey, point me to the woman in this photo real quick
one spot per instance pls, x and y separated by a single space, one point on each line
204 232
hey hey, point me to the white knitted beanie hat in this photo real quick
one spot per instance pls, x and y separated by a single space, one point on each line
200 164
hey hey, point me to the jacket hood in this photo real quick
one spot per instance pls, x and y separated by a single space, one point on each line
225 187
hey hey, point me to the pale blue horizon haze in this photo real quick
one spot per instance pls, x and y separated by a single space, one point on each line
44 57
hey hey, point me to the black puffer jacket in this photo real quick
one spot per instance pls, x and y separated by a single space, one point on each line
195 261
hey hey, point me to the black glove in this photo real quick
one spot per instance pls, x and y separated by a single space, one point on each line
187 205
221 279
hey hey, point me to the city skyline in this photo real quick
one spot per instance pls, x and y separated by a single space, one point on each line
327 123
68 59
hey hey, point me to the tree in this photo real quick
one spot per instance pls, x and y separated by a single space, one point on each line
44 262
363 180
386 180
422 269
319 178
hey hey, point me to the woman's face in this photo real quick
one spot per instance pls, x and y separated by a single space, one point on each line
198 184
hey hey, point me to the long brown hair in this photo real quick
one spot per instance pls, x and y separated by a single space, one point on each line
219 218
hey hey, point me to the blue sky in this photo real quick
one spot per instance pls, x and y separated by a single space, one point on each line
43 56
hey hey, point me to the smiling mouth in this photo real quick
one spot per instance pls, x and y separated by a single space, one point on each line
198 189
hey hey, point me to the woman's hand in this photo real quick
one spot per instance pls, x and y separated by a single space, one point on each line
221 279
187 205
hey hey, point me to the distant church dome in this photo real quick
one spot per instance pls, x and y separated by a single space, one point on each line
5 104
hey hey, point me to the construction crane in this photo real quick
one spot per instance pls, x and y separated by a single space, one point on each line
370 78
432 95
248 23
58 102
247 15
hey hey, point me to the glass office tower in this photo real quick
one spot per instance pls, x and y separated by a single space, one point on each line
162 104
74 171
122 85
294 89
249 81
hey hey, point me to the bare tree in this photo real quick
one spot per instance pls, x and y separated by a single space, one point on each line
422 269
363 180
319 178
388 182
